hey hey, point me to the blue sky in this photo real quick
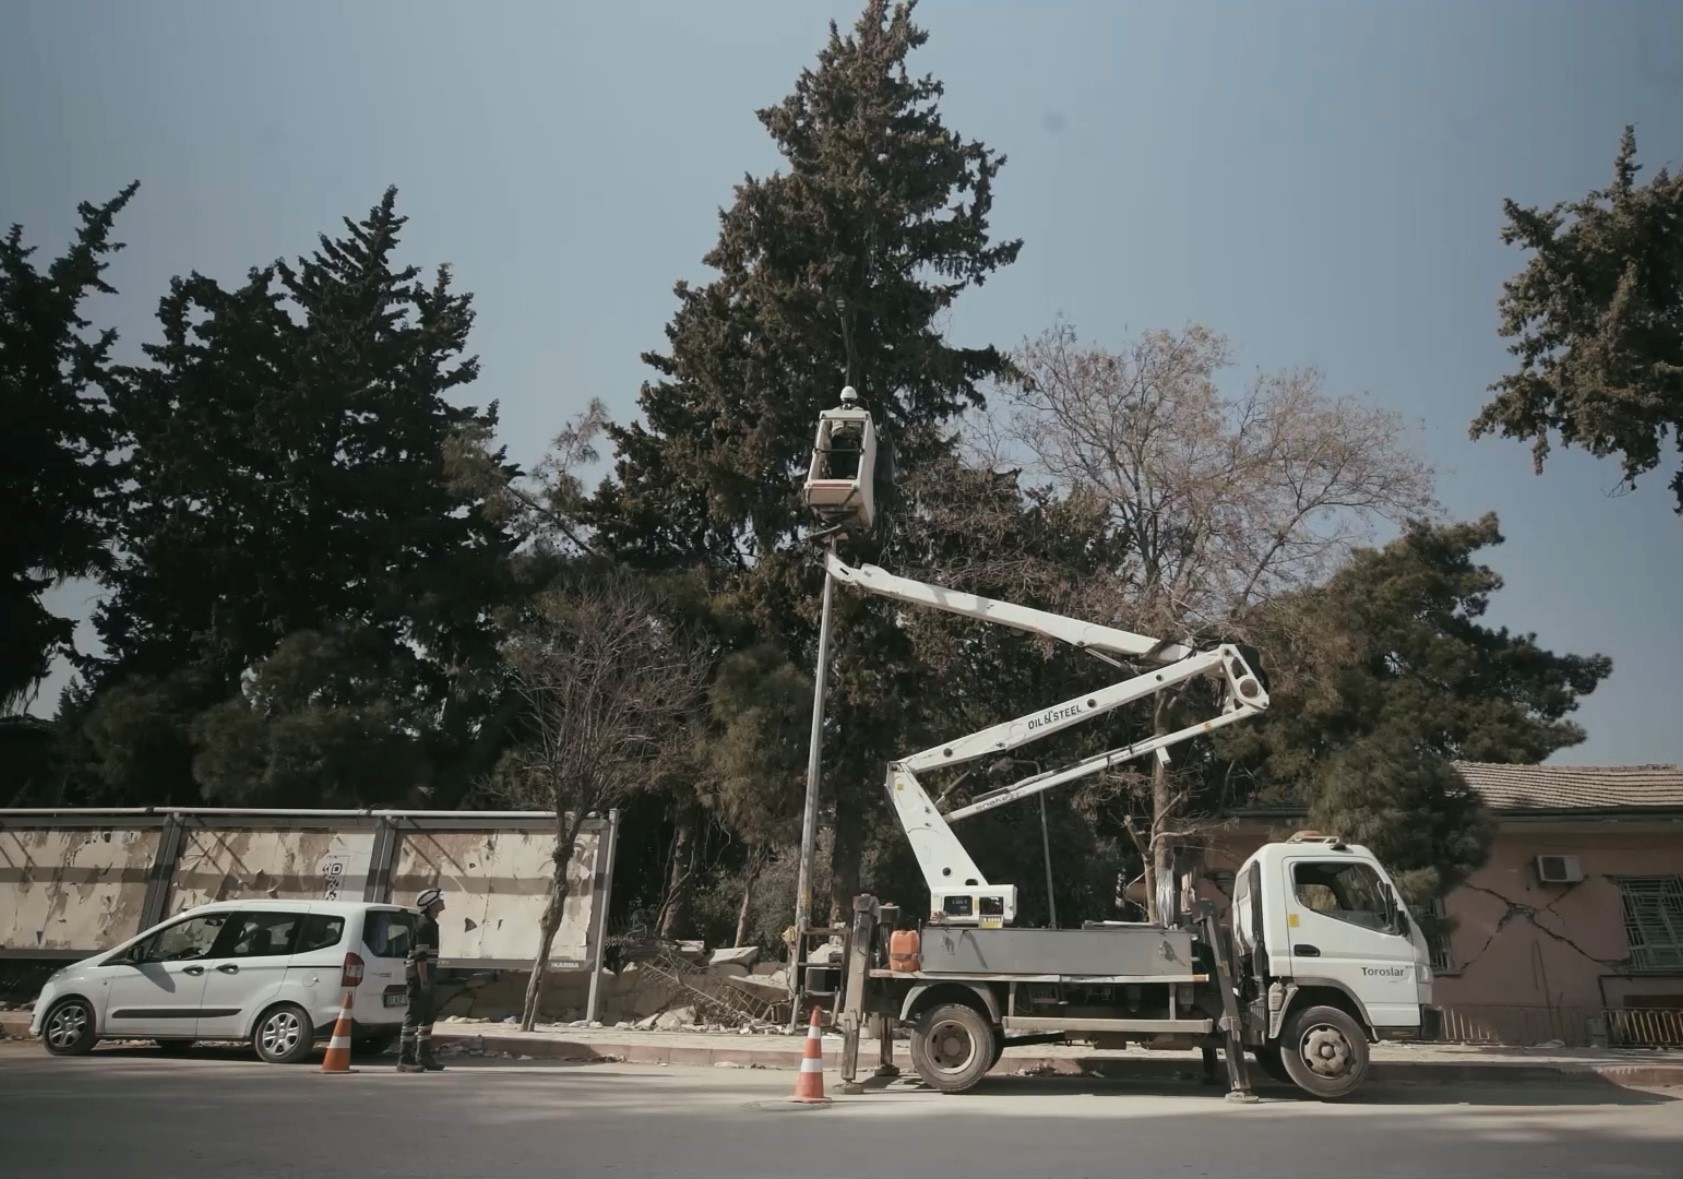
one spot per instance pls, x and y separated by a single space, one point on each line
1321 182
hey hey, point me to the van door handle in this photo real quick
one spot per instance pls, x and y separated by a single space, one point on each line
1303 950
194 970
228 968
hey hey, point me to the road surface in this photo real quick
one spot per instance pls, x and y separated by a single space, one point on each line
134 1113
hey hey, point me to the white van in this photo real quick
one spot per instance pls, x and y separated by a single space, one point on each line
272 973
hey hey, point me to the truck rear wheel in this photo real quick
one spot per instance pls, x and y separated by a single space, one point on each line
1325 1052
953 1047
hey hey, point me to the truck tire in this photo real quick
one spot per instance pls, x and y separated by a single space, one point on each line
1268 1060
953 1047
1324 1052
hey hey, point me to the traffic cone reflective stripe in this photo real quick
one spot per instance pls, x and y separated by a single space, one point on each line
338 1058
809 1084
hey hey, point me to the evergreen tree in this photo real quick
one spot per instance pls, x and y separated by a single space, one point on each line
295 558
1596 318
56 473
837 270
1387 673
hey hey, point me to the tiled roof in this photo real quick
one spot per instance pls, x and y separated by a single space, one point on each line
1573 788
1521 789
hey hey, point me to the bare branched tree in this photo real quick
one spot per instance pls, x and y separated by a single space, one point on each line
1218 503
608 687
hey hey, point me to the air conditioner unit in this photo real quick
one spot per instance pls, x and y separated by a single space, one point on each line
1559 870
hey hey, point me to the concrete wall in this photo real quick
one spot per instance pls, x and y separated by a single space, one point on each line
498 885
68 889
76 882
230 865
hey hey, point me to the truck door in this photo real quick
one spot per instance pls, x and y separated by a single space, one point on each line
1341 928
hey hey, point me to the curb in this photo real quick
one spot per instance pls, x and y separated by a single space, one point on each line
1115 1068
15 1025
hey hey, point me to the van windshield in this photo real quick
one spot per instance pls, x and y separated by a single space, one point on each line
386 932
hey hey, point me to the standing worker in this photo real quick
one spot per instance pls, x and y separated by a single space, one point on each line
415 1050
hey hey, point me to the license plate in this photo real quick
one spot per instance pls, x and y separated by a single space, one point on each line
396 1000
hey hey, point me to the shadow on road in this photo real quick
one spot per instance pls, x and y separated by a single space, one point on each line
1578 1089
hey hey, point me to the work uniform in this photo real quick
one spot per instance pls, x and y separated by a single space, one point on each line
415 1052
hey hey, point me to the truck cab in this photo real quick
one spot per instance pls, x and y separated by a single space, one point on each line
1319 931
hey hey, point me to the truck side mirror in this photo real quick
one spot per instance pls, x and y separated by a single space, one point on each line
1396 917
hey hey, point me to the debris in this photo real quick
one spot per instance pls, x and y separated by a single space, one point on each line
679 1017
743 956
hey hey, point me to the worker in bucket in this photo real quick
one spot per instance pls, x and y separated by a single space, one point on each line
415 1052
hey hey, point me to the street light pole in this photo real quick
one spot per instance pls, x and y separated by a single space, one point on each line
809 816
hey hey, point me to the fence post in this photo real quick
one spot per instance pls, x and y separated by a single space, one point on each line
376 889
603 887
164 864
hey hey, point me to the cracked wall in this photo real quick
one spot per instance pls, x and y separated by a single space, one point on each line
496 885
231 865
72 888
1522 944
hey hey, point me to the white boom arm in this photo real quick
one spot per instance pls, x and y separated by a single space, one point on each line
959 893
1082 635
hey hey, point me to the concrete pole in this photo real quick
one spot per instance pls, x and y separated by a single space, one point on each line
605 875
809 817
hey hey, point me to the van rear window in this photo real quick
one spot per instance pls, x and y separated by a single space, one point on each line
386 932
322 931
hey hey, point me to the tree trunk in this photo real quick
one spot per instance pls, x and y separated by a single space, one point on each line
845 856
675 920
1160 864
566 836
743 912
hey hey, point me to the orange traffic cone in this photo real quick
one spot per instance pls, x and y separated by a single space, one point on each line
809 1085
338 1058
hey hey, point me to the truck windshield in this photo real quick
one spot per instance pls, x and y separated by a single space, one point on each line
1342 890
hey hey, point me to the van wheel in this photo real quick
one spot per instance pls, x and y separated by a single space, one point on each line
283 1034
953 1047
1325 1052
68 1029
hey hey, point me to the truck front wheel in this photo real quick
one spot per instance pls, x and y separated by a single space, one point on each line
953 1047
1268 1057
1325 1052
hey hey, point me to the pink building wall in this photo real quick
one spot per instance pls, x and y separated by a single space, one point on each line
1524 944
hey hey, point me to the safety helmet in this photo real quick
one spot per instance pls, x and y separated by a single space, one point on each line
428 898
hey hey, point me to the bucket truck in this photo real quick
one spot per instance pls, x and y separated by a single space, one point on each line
1319 959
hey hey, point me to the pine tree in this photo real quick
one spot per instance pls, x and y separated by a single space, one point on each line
1385 675
837 270
291 524
56 473
1596 320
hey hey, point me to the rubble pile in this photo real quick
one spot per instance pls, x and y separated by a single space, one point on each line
648 985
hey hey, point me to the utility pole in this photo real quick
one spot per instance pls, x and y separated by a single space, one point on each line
809 816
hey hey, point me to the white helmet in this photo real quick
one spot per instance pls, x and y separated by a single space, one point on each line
428 898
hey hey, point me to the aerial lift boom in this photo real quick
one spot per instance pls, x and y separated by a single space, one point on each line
840 489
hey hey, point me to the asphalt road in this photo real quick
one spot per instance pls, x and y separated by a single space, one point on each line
134 1113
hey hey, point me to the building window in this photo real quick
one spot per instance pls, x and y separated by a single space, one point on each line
1653 920
1436 929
